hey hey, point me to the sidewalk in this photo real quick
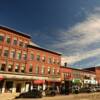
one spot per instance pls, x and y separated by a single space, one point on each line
8 96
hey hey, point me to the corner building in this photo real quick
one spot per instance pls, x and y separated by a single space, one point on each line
24 65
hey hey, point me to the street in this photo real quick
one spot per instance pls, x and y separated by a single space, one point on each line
88 96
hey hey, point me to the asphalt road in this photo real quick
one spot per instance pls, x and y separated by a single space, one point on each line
88 96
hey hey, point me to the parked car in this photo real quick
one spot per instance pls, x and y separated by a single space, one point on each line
97 88
75 89
31 94
51 91
87 89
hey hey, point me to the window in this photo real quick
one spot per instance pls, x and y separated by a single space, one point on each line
18 55
38 57
0 52
2 67
12 54
1 38
37 69
32 56
8 40
31 68
53 71
24 56
43 58
58 71
49 61
25 45
17 68
49 70
15 42
10 67
42 70
23 68
20 43
6 53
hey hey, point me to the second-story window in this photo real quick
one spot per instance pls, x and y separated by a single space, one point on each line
20 43
37 69
23 68
38 58
2 67
43 70
6 53
0 52
8 40
10 67
49 70
53 71
43 58
30 68
17 68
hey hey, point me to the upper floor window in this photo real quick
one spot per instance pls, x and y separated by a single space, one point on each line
0 52
23 68
30 68
2 67
17 68
49 70
37 69
49 60
1 38
43 58
20 43
38 58
43 70
53 71
24 56
58 71
8 40
12 54
32 56
19 55
15 42
10 67
6 53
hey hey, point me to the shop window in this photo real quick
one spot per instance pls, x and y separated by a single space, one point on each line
23 68
1 38
37 69
49 70
38 58
6 53
17 68
31 68
12 54
32 56
15 42
8 40
10 67
43 70
2 67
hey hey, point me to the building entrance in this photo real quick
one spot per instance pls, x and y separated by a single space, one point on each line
18 87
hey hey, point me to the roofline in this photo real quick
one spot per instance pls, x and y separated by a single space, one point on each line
40 48
78 69
14 31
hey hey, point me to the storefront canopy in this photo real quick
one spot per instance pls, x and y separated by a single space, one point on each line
39 81
76 81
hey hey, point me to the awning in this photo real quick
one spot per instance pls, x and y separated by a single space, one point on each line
39 81
1 78
76 81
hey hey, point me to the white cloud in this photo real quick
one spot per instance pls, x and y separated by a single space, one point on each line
80 36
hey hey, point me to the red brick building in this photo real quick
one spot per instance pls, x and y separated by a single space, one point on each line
24 64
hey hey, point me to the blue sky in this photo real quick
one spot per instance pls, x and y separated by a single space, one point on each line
71 27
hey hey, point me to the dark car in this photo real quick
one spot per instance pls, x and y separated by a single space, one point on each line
97 88
51 91
87 90
31 94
